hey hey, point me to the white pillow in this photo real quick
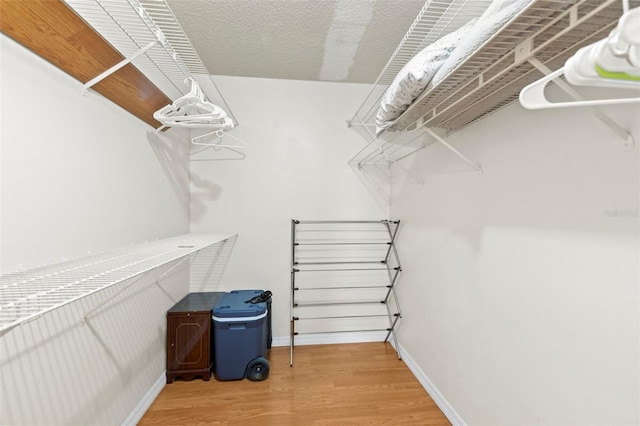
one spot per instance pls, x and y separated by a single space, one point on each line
415 75
498 14
498 5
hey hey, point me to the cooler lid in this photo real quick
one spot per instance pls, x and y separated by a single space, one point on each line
233 304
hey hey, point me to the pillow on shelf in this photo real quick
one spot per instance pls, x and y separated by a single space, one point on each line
497 15
415 75
497 6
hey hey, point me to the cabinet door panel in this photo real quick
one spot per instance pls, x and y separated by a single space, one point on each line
189 339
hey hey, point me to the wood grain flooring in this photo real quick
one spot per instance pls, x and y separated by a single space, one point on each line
346 384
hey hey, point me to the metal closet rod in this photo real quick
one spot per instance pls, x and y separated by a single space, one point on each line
364 330
340 317
304 304
340 269
341 287
354 262
343 244
344 221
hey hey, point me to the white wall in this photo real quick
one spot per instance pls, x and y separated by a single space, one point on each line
520 291
295 168
79 170
79 174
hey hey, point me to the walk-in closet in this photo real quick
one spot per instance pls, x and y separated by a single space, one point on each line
435 202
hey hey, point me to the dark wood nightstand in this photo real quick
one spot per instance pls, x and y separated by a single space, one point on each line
189 339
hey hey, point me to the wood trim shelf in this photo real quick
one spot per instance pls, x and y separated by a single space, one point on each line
54 32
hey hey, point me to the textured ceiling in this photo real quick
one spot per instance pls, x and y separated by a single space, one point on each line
322 40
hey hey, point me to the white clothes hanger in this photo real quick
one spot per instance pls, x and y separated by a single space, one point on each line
627 33
215 154
186 107
217 142
595 65
618 56
199 121
193 111
621 57
605 63
533 96
231 151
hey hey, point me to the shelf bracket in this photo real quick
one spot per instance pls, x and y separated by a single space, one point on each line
452 149
86 316
628 142
125 61
395 164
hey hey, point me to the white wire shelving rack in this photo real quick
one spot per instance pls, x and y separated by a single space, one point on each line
344 275
148 35
436 19
541 37
28 295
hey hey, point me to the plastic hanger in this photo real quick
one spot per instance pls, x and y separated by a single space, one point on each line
612 62
217 154
624 40
533 96
618 56
190 107
199 121
217 142
586 68
193 111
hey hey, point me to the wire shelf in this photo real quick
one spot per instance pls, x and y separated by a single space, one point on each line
550 31
436 19
27 295
130 25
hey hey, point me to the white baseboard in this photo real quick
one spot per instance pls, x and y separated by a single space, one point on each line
442 403
331 338
136 415
377 336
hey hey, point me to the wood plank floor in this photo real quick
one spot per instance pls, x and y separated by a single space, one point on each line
346 384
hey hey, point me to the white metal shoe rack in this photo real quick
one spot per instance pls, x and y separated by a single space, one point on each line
344 275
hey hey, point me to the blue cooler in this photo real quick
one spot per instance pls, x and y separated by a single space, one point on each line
240 336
